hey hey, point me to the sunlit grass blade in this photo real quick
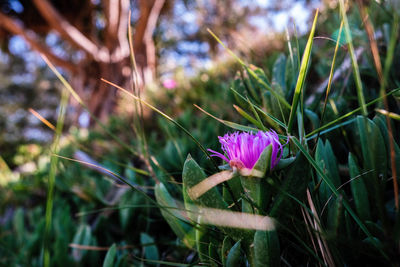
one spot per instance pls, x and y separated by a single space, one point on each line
302 75
208 183
297 45
356 74
97 248
256 115
290 51
166 117
328 88
52 127
281 99
390 114
349 114
262 111
324 249
248 117
80 101
103 170
230 124
52 177
331 129
43 120
336 193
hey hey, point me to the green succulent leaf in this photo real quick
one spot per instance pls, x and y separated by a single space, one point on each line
150 249
294 184
234 258
327 161
170 212
266 249
110 256
359 190
191 176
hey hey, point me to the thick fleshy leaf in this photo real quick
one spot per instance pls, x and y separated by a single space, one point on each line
193 175
373 148
234 258
279 73
214 257
150 249
202 242
236 188
359 190
294 184
313 117
171 213
327 161
374 163
335 215
254 186
284 163
82 237
110 256
257 192
227 244
266 249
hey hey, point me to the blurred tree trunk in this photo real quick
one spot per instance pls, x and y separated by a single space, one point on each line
105 51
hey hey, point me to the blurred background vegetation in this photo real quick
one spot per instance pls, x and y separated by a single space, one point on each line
178 64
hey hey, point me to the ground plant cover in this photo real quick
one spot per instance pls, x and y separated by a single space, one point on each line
290 159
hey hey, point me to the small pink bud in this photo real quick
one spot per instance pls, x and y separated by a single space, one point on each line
169 84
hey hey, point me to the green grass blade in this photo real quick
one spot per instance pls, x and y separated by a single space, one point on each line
290 51
52 177
328 88
297 45
357 77
281 99
302 75
230 124
392 115
256 115
248 117
331 129
350 113
262 111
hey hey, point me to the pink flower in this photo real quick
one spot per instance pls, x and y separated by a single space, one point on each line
242 150
169 83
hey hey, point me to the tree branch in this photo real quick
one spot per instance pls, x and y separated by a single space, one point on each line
15 27
120 45
111 13
69 32
123 25
152 21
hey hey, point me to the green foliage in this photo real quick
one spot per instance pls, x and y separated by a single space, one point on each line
338 178
330 200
